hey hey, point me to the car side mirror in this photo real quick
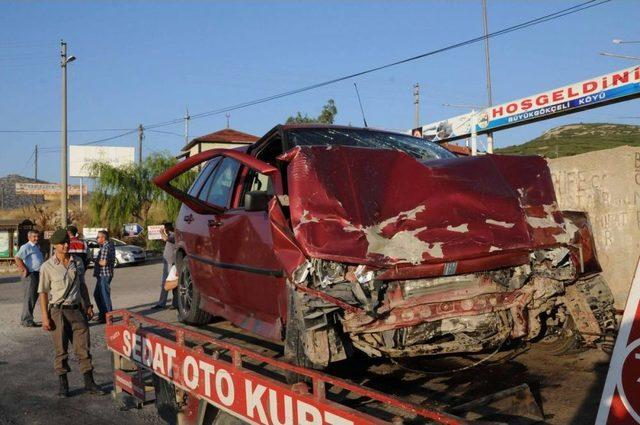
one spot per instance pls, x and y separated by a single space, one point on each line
256 201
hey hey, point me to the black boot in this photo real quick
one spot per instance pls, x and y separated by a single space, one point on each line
63 389
90 385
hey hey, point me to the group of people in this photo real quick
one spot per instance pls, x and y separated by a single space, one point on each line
64 297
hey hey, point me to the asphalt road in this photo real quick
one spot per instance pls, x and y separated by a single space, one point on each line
567 388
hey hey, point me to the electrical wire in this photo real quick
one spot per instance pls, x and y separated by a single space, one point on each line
555 15
93 130
545 18
29 162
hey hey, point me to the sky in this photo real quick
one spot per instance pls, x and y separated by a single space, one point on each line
144 62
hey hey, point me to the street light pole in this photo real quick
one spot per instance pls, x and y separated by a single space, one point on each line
64 60
485 25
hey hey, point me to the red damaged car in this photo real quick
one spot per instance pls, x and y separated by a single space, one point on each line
339 238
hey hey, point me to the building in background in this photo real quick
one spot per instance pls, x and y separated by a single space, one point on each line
227 138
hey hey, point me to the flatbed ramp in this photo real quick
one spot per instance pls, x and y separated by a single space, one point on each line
219 371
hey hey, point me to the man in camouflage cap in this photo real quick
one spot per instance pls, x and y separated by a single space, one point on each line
65 308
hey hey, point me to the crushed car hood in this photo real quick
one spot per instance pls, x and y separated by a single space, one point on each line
385 208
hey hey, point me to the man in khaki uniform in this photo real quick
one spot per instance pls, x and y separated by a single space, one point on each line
65 301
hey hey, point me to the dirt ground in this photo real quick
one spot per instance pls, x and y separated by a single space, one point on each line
567 388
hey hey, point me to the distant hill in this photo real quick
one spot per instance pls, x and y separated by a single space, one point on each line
574 139
8 197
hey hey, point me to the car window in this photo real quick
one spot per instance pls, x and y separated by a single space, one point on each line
202 177
417 148
117 242
257 182
219 191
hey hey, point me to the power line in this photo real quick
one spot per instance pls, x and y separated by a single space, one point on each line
93 130
545 18
555 15
106 139
28 163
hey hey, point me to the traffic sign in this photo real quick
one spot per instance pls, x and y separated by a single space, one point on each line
620 403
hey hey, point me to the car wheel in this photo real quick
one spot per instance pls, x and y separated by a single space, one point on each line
563 340
189 311
294 340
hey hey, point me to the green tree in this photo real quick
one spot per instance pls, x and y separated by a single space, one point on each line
327 115
123 194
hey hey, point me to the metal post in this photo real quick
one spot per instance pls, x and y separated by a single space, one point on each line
140 137
416 102
81 187
63 141
485 25
186 127
474 133
36 164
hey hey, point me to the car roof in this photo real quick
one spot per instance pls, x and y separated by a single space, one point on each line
316 126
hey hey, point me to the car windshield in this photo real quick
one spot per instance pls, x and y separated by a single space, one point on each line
117 242
416 147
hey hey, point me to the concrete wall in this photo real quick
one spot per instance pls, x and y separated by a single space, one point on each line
606 184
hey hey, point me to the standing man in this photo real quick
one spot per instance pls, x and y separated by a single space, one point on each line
103 271
168 259
29 259
64 301
77 247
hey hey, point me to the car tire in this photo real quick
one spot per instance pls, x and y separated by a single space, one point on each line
294 352
189 310
563 341
166 403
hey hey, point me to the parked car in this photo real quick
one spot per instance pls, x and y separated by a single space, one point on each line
125 253
339 238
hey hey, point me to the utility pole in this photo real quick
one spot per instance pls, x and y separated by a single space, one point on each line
187 117
140 137
64 60
416 102
36 164
485 26
228 115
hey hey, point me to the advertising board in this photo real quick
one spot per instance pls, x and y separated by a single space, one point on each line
132 229
5 251
598 91
47 189
91 232
82 157
153 232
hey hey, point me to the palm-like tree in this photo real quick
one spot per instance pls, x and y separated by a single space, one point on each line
125 193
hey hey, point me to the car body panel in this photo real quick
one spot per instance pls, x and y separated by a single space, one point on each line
384 208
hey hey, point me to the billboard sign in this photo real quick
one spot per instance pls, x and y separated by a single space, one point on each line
81 158
47 189
5 251
598 91
132 229
91 232
620 403
154 232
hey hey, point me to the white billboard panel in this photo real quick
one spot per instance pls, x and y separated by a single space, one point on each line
81 158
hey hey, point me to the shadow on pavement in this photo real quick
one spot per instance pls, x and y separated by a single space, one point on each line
589 408
9 279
